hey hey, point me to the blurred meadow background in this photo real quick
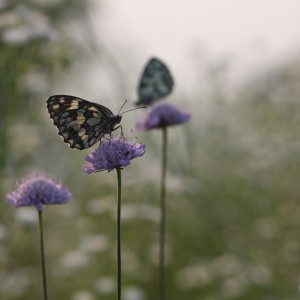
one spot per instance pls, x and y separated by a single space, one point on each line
233 190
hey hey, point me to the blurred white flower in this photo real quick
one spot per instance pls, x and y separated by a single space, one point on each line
15 283
24 24
105 285
194 276
100 206
260 274
26 216
93 243
133 293
234 287
132 212
73 260
83 295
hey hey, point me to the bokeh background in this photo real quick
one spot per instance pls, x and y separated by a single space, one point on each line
233 211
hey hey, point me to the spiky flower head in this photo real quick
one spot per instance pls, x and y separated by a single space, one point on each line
113 153
162 115
38 189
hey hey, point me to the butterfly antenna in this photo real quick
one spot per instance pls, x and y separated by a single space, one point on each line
132 109
122 107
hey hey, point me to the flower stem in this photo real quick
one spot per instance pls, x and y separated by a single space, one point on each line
119 233
162 229
43 256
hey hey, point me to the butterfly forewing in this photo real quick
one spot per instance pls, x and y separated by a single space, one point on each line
80 123
156 82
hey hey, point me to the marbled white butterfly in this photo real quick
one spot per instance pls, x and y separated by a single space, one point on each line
156 82
81 123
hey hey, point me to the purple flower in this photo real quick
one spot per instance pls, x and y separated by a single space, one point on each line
162 115
38 189
113 153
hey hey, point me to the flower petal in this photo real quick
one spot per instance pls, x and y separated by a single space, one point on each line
162 115
113 153
36 190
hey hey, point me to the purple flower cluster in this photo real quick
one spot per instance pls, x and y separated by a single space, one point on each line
163 115
36 190
113 153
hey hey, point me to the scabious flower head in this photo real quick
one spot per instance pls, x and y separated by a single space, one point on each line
113 153
162 115
36 190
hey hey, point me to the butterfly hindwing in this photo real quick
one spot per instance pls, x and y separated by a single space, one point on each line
156 82
80 123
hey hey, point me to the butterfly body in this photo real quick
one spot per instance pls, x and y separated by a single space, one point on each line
156 82
81 123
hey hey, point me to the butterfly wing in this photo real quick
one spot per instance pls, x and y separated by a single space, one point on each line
80 123
156 82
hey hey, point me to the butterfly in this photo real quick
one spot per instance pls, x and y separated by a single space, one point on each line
81 123
156 82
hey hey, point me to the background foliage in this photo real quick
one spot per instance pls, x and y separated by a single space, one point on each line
233 188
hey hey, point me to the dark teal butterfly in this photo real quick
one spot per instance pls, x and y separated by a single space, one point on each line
156 82
81 123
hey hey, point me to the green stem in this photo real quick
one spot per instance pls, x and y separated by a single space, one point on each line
43 256
162 229
119 233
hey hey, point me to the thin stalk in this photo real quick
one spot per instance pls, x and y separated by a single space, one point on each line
43 256
162 229
119 262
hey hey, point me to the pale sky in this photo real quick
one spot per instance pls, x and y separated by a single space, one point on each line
250 30
251 34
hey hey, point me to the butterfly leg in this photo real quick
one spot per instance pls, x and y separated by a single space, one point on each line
121 134
120 126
